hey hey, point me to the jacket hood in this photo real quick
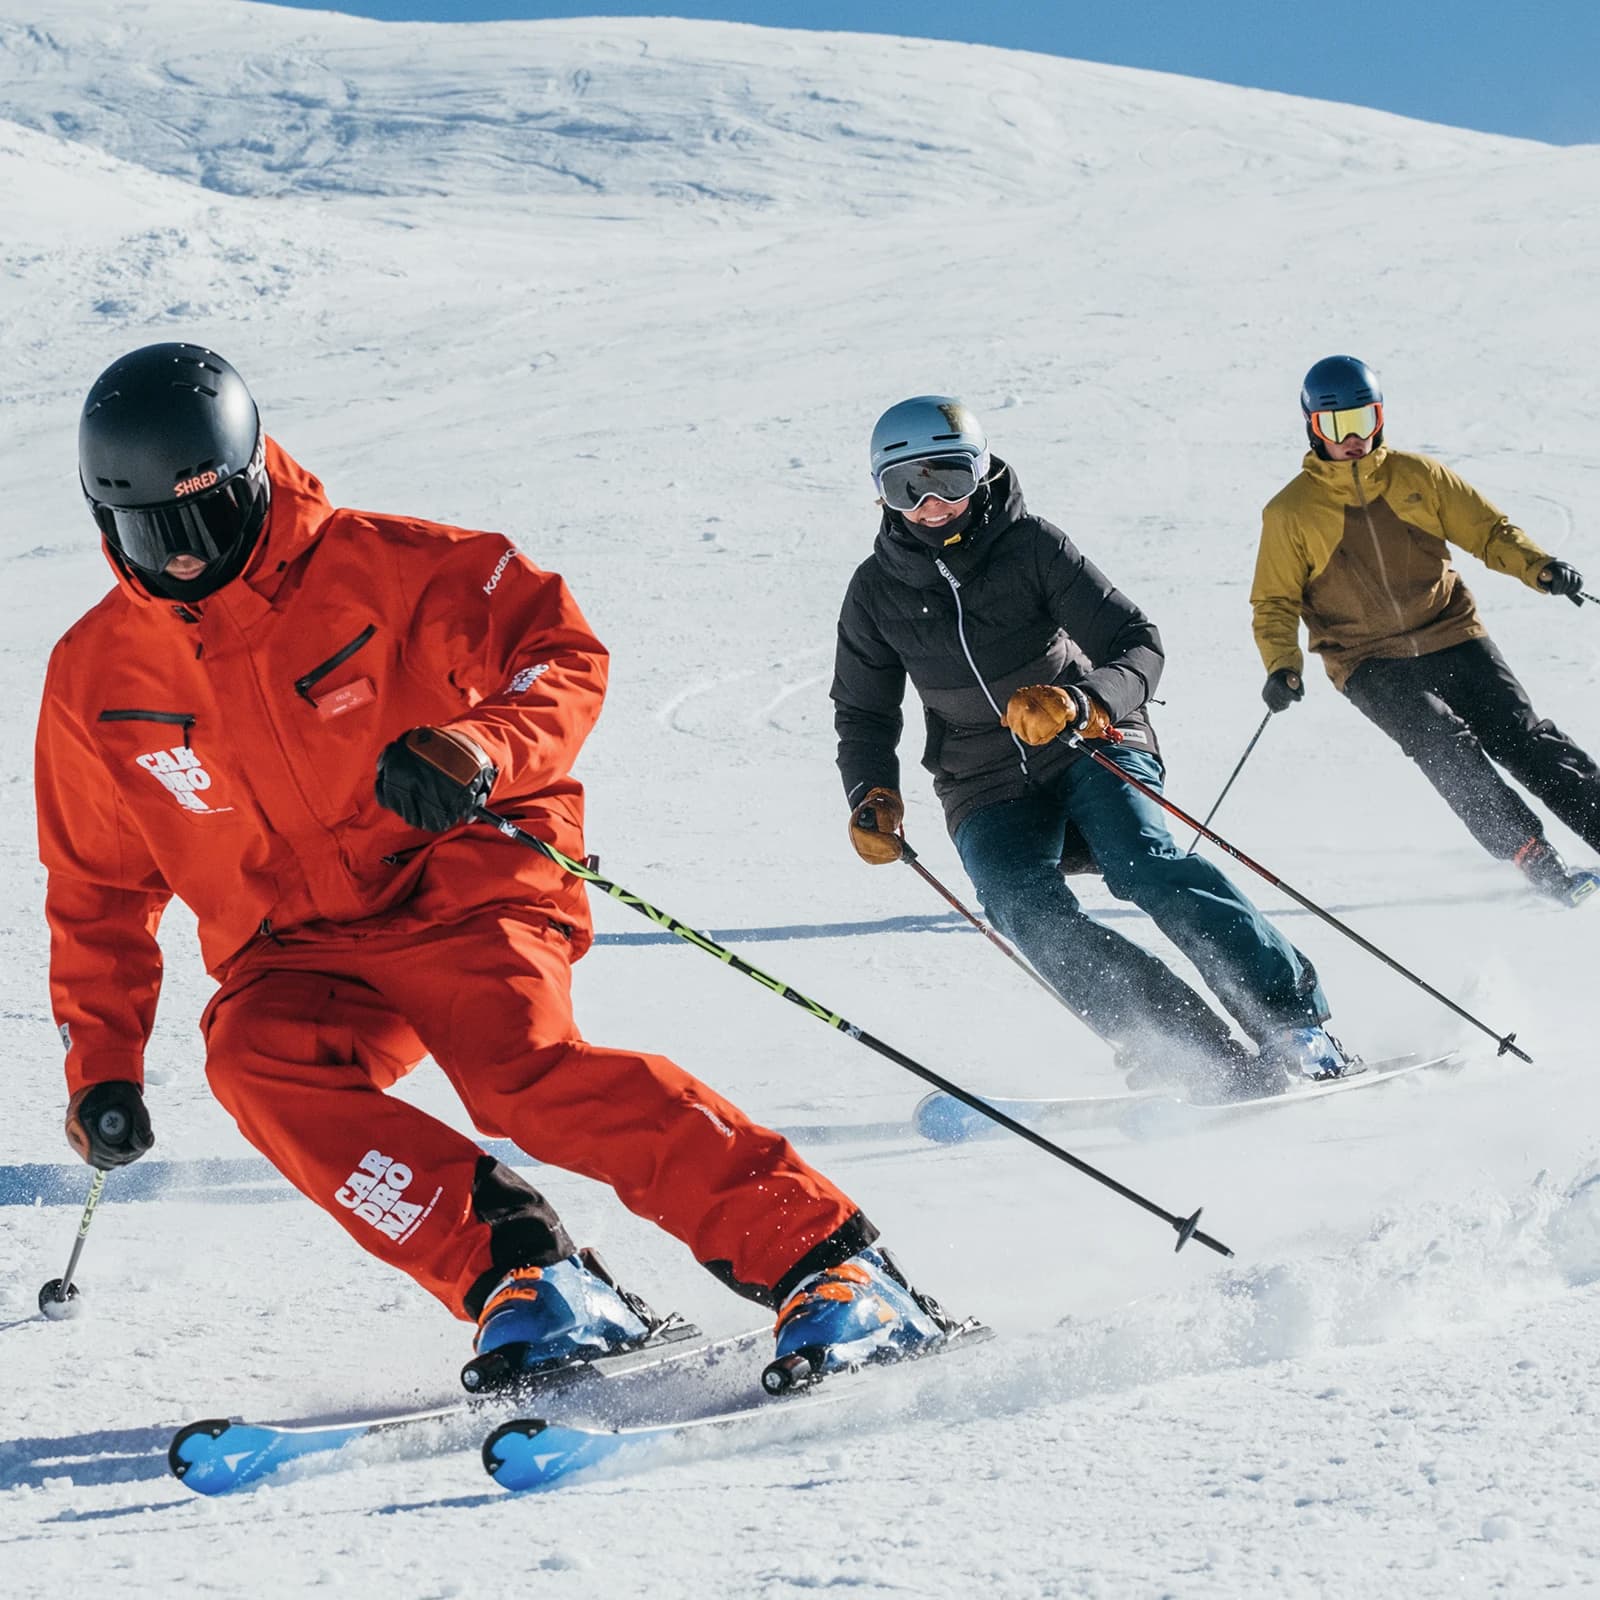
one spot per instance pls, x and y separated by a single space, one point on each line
299 508
999 506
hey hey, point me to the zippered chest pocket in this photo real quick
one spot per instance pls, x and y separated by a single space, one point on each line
162 747
343 697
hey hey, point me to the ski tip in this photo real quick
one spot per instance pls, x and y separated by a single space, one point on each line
508 1446
943 1119
191 1447
531 1453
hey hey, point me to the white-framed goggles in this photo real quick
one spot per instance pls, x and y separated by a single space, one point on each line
953 477
1334 427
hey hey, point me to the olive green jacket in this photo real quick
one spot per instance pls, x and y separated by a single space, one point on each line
1360 550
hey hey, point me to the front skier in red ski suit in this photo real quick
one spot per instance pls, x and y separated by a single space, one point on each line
221 748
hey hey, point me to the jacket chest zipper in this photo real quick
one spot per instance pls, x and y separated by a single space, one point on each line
304 685
1377 552
961 633
177 719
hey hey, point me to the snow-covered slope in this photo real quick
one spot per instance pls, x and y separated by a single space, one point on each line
635 292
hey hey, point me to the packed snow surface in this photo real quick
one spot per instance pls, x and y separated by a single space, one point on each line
634 293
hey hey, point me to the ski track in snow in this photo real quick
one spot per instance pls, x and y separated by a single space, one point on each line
634 292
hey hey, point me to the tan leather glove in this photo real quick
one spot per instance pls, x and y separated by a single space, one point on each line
1041 712
875 827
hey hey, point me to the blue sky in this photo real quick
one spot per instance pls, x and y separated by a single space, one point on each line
1532 71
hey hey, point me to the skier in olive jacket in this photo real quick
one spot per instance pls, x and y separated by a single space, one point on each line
1012 638
1358 545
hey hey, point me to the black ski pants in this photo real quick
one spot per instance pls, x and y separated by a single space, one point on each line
1459 713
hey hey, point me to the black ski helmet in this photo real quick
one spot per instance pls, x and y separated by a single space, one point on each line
172 459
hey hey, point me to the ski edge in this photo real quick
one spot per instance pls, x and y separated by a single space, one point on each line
570 1448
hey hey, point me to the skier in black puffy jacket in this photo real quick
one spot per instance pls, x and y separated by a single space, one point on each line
1012 638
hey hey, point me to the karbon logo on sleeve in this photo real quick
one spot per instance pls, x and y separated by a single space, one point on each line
376 1192
179 772
499 571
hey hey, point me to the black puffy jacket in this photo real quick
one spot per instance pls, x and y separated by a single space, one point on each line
1014 603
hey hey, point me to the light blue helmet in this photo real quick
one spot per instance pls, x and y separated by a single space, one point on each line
928 425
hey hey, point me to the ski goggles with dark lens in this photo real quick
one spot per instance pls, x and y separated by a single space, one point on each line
904 485
207 524
1334 427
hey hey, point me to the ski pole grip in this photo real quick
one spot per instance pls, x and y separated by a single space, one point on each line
113 1125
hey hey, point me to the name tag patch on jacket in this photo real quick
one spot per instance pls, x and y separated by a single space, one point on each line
348 697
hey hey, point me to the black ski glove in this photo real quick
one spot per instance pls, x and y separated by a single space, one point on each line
434 777
1559 578
108 1125
1282 689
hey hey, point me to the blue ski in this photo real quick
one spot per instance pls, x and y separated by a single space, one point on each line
221 1454
530 1453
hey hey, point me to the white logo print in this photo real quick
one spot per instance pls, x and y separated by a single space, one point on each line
499 571
179 772
374 1193
711 1117
526 679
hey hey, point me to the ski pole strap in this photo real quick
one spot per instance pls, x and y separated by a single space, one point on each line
1506 1042
1185 1227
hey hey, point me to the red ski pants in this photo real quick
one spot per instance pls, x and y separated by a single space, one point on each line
305 1035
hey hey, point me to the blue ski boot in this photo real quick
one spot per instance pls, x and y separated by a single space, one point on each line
538 1318
859 1311
1308 1055
1544 869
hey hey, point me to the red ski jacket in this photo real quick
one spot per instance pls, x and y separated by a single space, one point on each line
224 751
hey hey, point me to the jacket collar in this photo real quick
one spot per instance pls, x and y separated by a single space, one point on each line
1339 478
298 511
908 559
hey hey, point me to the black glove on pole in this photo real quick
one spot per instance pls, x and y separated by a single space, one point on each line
108 1125
1559 577
434 777
1187 1228
1282 689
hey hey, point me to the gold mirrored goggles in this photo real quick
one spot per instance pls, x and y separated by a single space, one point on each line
1334 427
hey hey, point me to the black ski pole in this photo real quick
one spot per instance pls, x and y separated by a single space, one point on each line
1505 1041
1583 595
58 1299
866 817
913 861
1229 784
1187 1228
